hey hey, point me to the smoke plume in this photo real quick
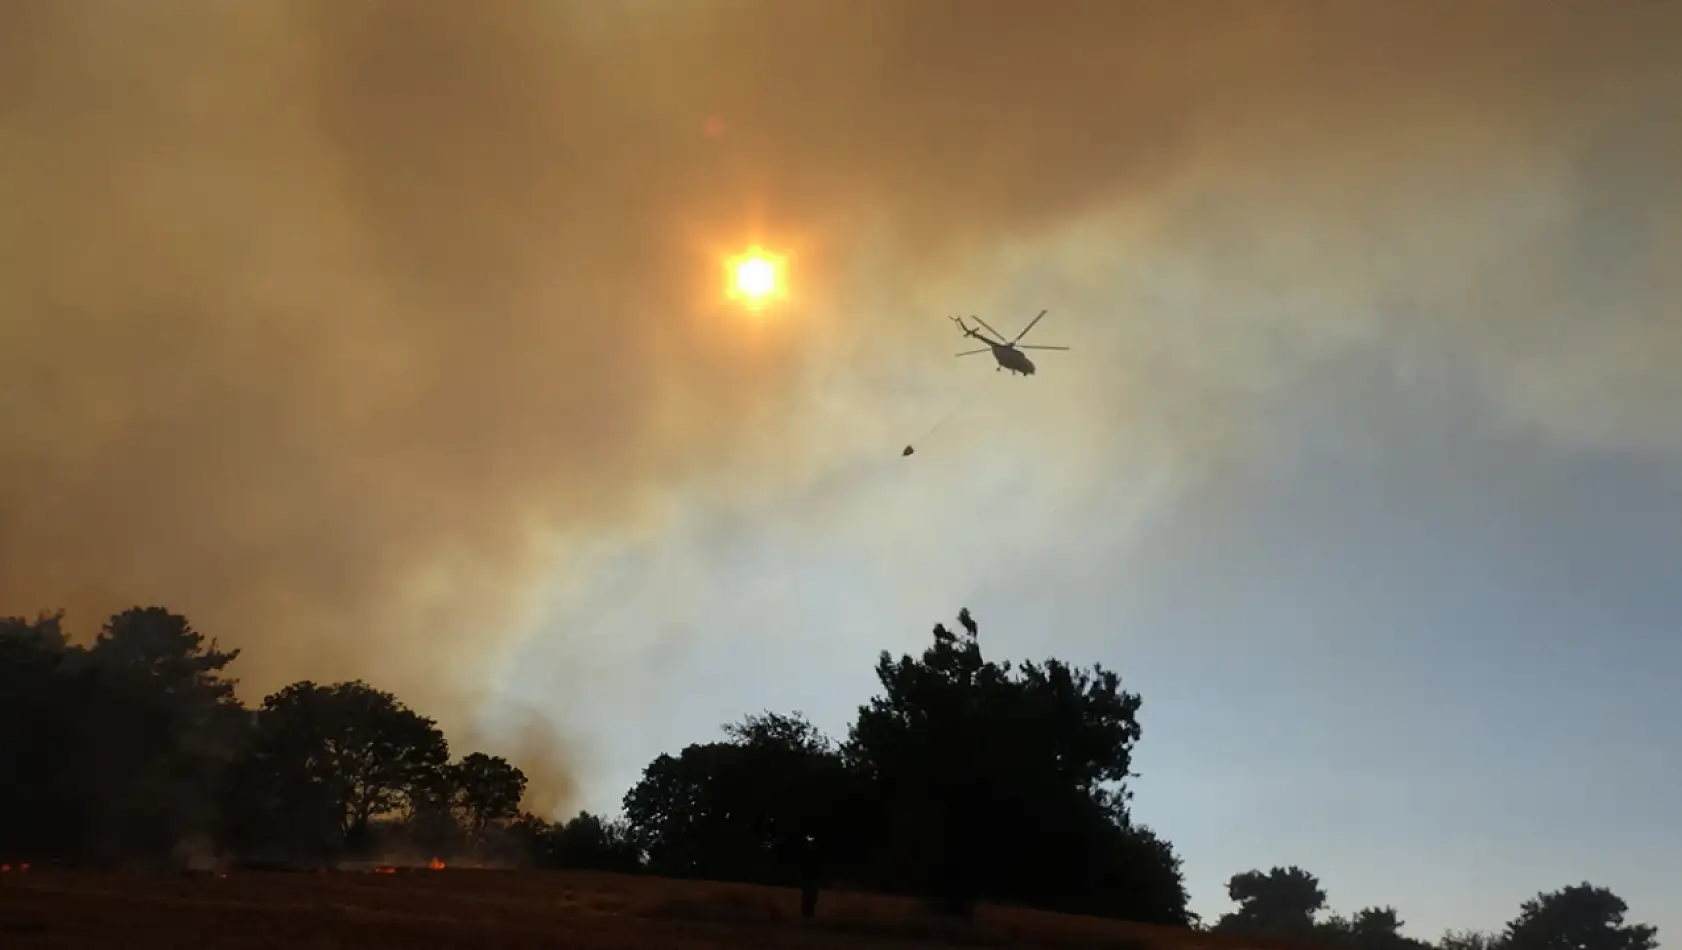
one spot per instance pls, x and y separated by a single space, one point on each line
334 325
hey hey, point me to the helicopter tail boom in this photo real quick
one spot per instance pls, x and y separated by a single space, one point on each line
972 332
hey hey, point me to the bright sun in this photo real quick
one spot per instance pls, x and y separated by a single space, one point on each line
755 278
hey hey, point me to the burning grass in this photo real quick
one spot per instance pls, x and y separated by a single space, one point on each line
417 909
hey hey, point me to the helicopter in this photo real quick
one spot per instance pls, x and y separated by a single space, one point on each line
1009 355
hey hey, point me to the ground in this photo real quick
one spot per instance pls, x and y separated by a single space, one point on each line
424 909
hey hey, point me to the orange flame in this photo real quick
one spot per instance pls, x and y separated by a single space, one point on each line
385 870
436 865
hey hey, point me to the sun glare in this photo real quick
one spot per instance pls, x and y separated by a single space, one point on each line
755 278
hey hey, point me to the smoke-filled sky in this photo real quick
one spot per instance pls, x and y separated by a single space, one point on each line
387 340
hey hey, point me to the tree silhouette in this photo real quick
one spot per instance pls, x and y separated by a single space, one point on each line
761 806
1579 917
347 751
1281 904
488 790
160 652
964 779
1003 782
1468 940
1139 877
39 804
803 797
586 841
1372 928
144 710
924 742
161 724
681 815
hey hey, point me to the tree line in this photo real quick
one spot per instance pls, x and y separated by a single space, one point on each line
964 779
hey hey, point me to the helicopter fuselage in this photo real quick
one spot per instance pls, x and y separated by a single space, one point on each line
1013 359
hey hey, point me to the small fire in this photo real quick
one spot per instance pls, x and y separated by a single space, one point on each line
436 865
386 869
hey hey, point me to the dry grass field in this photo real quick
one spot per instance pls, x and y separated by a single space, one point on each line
423 909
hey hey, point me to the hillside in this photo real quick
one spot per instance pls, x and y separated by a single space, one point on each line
419 909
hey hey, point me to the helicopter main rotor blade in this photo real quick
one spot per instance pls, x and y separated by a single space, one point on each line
973 352
1027 346
996 333
1030 326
